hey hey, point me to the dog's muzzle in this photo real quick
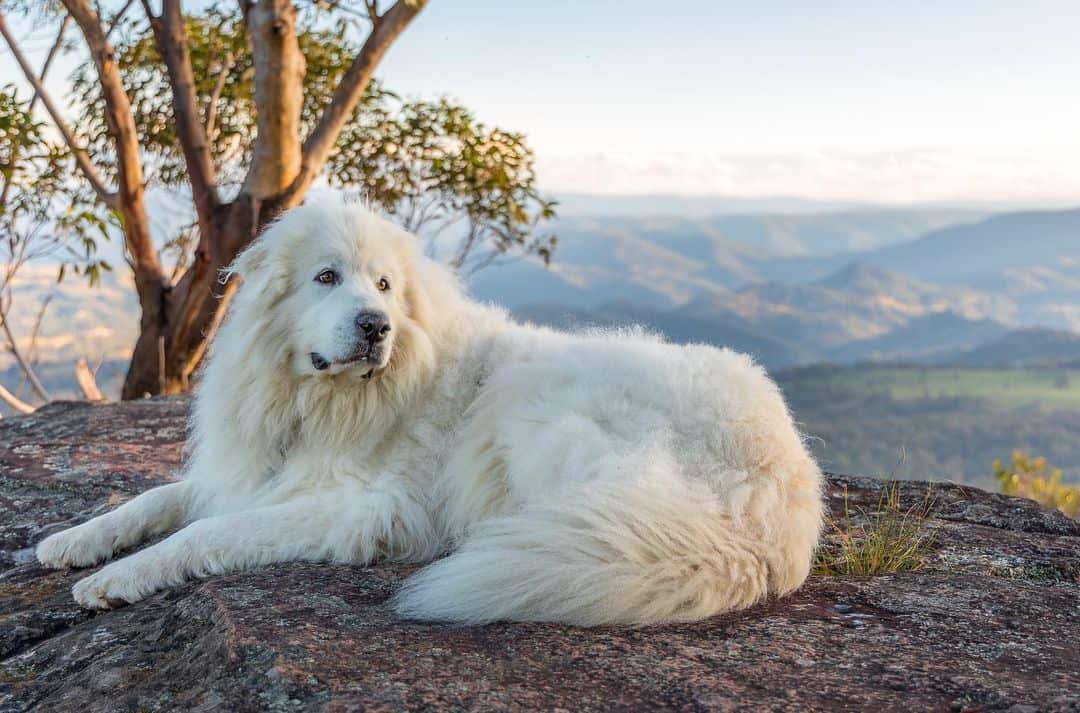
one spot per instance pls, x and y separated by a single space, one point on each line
366 354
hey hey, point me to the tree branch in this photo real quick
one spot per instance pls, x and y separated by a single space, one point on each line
118 17
129 199
215 95
13 401
81 157
170 35
373 11
86 381
36 330
349 91
466 246
278 94
13 346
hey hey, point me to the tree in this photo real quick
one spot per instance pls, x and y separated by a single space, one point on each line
245 108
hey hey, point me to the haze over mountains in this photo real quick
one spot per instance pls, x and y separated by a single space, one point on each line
796 289
927 285
600 258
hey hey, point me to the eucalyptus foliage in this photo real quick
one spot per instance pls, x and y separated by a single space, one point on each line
44 212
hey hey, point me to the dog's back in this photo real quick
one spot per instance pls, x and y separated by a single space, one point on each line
622 480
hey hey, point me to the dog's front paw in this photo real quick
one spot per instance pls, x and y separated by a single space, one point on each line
114 586
80 546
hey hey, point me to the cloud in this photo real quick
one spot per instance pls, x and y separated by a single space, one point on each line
893 177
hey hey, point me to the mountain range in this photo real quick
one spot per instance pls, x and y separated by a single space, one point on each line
924 285
664 261
816 290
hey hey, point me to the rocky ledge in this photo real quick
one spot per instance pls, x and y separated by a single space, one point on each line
990 622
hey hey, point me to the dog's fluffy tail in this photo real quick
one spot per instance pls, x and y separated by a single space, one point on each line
609 554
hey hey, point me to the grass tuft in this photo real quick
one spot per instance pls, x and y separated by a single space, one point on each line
889 539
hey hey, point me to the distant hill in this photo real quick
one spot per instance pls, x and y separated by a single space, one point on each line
934 337
604 261
1023 348
1033 258
819 234
896 296
856 314
666 261
999 253
859 302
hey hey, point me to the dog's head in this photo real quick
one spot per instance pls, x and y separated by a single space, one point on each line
338 292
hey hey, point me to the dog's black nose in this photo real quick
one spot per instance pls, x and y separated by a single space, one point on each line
373 325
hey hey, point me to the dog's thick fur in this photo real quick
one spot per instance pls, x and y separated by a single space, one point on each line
597 478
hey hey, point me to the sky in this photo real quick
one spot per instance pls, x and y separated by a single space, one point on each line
887 102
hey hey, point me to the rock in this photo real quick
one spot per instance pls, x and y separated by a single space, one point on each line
990 623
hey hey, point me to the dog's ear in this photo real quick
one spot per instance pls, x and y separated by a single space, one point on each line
416 295
254 256
258 266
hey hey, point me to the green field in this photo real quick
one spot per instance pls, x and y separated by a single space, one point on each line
936 423
1052 387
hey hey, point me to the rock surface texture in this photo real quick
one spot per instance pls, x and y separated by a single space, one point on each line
992 622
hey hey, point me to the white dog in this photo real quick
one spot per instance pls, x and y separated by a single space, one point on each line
357 406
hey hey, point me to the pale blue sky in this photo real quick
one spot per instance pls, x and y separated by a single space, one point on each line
897 101
763 76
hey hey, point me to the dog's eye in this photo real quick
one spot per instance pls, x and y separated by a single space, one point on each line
327 277
384 284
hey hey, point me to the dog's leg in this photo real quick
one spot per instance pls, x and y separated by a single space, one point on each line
338 527
155 511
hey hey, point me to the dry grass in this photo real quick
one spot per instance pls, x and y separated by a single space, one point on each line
886 540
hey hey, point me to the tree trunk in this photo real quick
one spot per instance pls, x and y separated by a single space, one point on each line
171 340
144 376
